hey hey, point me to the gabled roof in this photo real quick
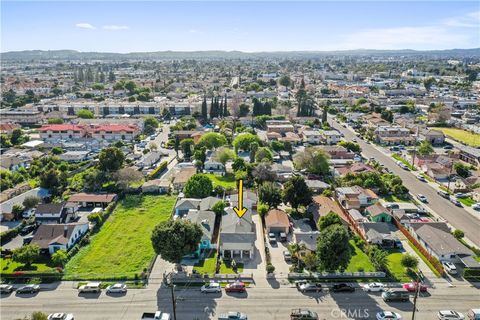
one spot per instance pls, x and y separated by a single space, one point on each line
441 241
48 234
205 219
49 208
277 218
208 202
309 239
92 197
187 203
377 209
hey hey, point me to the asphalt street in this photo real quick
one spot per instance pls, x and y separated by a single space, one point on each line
459 218
272 302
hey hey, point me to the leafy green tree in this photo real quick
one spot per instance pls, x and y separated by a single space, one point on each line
187 147
38 315
330 219
428 83
85 114
130 86
5 141
50 180
57 150
312 159
263 172
174 239
31 202
150 124
264 154
238 164
198 186
409 261
262 209
459 234
60 258
285 81
55 121
350 146
110 159
219 208
26 254
223 155
253 151
378 257
296 192
17 211
333 248
16 136
269 193
212 140
425 148
244 141
310 260
462 170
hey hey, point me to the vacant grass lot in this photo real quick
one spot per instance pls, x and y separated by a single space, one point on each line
395 267
226 181
122 248
359 261
468 138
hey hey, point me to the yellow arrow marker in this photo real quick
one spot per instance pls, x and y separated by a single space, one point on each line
240 212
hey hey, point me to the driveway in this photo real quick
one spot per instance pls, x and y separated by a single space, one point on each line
276 256
256 266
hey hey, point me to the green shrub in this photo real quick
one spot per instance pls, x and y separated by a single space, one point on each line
270 268
471 273
158 170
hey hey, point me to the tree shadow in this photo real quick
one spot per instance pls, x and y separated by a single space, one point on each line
273 282
359 305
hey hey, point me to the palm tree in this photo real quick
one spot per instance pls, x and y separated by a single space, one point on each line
295 249
253 151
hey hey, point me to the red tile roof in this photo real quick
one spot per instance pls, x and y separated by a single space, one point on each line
61 127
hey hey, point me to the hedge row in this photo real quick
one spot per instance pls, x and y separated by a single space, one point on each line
471 273
8 235
158 170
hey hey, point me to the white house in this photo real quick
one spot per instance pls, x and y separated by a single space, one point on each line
53 237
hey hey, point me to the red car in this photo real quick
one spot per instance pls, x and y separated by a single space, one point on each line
411 286
235 287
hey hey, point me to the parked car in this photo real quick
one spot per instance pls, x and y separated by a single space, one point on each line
60 316
117 288
473 314
90 287
395 295
310 287
283 236
29 288
450 315
476 206
232 315
388 315
374 287
27 239
287 255
272 238
443 194
455 202
237 286
450 267
392 206
28 213
303 314
6 288
412 287
448 147
422 198
461 195
27 229
159 315
343 287
421 178
211 287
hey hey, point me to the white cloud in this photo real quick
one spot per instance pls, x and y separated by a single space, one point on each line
115 27
193 31
470 20
84 25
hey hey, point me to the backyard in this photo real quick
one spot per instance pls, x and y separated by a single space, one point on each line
122 248
468 138
226 181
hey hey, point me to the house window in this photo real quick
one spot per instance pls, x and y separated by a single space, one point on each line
452 256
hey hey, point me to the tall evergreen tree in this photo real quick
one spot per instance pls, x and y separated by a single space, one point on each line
111 76
220 108
204 109
81 76
225 109
102 77
212 108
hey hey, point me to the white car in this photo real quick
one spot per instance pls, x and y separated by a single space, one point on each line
388 315
421 178
272 238
422 198
61 316
450 267
374 287
476 206
211 287
117 288
450 315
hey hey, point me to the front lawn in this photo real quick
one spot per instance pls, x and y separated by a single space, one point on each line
394 198
467 201
42 265
206 266
359 262
395 267
122 247
468 138
226 268
226 181
405 162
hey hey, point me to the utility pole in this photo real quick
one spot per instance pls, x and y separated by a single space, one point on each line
415 148
449 177
417 290
174 302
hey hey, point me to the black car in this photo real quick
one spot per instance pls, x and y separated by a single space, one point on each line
310 287
343 287
29 288
27 229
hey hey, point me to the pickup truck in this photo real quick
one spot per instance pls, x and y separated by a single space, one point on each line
159 315
233 315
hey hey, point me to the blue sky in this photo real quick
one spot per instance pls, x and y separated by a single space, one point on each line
246 26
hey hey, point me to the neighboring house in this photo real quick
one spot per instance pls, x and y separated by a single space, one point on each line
206 220
161 186
150 159
280 128
357 167
7 206
54 213
277 221
84 200
435 137
378 233
392 135
317 186
53 237
357 216
378 213
330 137
249 200
436 238
338 152
308 239
74 156
208 203
355 197
312 136
283 172
237 235
184 205
436 171
187 134
182 176
469 154
322 205
212 166
12 163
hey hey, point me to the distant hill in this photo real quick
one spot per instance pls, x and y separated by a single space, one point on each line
170 55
